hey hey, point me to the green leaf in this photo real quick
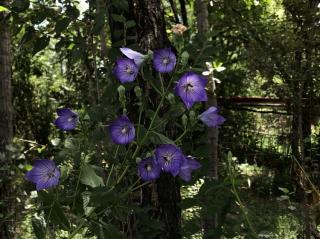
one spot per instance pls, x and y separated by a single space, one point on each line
99 21
284 190
130 24
38 229
55 141
71 46
118 18
158 138
3 9
40 44
61 25
70 143
120 4
72 12
108 196
54 209
20 5
59 217
28 35
89 177
39 17
111 232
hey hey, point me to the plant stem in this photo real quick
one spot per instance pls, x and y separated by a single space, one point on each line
182 135
152 120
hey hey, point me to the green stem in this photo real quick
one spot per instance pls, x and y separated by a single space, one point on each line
161 81
241 205
77 187
75 232
155 88
139 186
139 121
109 176
182 135
51 207
123 173
163 96
117 151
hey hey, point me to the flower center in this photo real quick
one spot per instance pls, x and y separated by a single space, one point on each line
148 167
165 60
188 87
71 118
50 174
167 158
128 70
125 129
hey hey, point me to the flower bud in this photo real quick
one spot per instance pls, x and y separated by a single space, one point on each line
122 95
170 98
184 119
192 117
138 92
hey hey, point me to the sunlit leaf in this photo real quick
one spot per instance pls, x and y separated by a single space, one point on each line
3 9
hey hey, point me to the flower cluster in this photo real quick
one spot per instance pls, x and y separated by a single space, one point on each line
167 157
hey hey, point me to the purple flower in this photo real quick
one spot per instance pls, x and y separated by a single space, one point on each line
45 174
211 118
67 119
137 57
191 89
122 130
126 70
149 169
187 166
164 60
169 158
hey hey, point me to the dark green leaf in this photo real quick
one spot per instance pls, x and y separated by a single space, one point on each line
61 25
130 24
20 5
111 232
39 17
28 35
72 12
158 138
98 22
118 18
59 217
89 177
40 44
38 229
120 4
98 193
53 208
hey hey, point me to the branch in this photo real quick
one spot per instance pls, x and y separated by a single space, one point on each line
174 10
183 12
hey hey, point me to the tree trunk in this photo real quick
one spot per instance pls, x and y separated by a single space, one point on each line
151 32
209 222
6 132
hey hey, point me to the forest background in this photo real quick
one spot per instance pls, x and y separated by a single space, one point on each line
260 169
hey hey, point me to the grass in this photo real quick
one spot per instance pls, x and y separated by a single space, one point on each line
271 218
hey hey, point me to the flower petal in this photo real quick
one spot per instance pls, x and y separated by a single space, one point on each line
126 70
133 55
122 131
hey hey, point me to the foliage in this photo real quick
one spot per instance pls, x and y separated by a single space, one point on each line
63 55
